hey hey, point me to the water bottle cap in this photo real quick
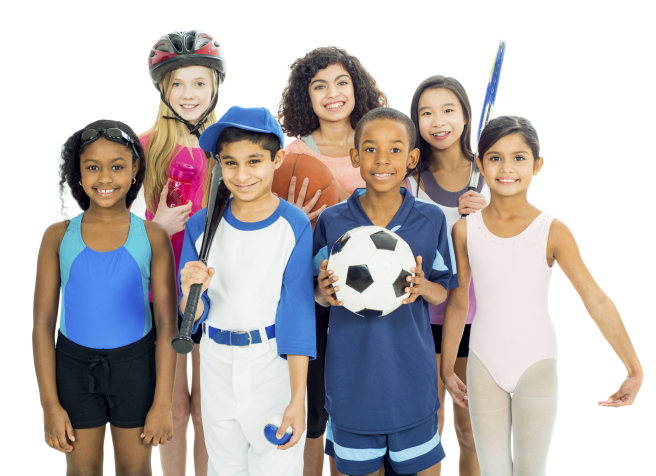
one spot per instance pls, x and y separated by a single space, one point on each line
183 172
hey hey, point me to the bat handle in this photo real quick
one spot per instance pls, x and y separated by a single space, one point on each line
183 344
468 189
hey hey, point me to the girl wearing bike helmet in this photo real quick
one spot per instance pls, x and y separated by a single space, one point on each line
187 69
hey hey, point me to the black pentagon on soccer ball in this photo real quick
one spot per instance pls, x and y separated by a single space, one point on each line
400 283
369 313
383 241
359 278
339 244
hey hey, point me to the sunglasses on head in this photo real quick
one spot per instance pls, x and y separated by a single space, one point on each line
113 133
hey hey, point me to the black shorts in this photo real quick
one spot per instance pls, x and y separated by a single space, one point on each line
463 348
317 416
195 336
97 386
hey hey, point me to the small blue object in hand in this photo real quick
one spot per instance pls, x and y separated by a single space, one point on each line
271 428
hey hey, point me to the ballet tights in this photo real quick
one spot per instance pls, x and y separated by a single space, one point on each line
530 413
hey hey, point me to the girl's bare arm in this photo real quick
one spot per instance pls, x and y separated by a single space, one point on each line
158 427
57 425
455 317
563 248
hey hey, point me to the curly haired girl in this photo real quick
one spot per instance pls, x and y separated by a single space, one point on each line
327 93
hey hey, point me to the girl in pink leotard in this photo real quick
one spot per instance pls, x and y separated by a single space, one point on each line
509 248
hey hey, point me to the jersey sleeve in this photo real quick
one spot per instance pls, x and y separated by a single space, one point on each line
194 228
295 318
443 270
319 247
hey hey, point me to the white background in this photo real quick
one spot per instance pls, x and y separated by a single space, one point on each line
582 72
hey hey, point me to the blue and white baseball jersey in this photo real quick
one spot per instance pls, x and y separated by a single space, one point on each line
263 276
381 373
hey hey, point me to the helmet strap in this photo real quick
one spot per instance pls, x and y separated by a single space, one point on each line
193 128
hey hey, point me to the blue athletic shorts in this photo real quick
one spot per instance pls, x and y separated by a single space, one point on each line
408 451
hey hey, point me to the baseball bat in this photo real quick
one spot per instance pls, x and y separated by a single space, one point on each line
218 199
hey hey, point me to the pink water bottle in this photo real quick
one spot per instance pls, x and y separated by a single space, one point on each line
179 184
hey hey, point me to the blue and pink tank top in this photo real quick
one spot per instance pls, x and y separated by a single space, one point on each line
104 295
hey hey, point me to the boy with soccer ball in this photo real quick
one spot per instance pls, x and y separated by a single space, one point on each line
381 374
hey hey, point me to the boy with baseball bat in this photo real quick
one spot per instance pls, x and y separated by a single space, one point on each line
257 304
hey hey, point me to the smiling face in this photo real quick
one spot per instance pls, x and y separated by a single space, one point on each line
384 154
191 92
107 172
331 93
248 170
441 118
509 166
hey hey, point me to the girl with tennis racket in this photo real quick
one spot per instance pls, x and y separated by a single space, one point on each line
442 115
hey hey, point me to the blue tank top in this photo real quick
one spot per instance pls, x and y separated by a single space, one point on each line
104 295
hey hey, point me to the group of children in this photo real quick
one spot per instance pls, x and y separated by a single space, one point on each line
266 283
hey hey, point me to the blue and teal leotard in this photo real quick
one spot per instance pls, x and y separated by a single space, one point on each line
104 295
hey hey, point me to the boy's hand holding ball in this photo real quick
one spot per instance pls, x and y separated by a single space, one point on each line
326 282
294 418
418 281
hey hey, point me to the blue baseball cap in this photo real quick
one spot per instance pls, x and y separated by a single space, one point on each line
257 119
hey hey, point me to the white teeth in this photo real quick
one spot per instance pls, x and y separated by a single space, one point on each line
382 175
106 191
335 105
507 180
441 134
185 106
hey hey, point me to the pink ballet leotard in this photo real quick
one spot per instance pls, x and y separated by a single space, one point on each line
512 328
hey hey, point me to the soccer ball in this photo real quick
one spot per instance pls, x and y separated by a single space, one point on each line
372 265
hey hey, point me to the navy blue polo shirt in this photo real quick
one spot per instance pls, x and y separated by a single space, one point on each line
381 373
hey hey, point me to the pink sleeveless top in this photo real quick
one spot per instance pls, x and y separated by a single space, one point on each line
512 328
199 162
347 176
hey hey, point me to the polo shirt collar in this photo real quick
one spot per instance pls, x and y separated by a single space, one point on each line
363 220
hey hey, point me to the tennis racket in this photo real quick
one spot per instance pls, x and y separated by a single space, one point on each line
218 199
488 105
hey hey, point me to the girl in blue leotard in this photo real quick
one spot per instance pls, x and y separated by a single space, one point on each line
102 263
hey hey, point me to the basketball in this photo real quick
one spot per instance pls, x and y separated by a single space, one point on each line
304 166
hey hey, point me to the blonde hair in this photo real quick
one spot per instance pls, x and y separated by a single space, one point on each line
163 143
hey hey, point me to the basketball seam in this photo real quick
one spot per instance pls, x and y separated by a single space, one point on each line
308 199
294 167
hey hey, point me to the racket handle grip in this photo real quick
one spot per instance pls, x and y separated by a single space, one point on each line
470 188
183 343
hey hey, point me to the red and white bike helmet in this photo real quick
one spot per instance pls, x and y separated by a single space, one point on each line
186 48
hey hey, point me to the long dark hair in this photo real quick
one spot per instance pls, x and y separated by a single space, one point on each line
69 164
505 125
436 82
295 113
